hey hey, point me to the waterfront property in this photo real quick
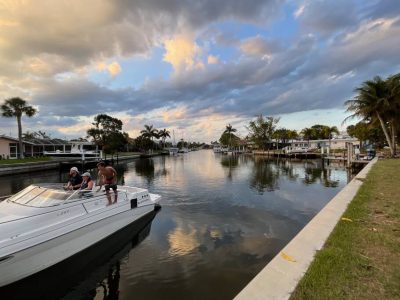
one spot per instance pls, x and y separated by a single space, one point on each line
333 144
9 147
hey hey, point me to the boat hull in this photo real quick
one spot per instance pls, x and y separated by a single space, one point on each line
78 275
24 263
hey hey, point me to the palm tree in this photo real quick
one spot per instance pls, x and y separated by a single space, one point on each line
149 132
164 133
293 135
373 104
308 134
16 107
393 83
229 129
330 131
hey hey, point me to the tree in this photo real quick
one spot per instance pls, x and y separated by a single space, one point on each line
323 132
308 134
107 133
393 84
360 131
261 130
282 135
229 129
28 135
149 131
164 133
377 101
16 107
329 131
229 139
367 131
293 135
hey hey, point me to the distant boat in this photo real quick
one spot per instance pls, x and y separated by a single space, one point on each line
292 150
217 149
183 150
173 150
78 149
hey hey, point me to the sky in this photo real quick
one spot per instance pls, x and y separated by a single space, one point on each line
191 66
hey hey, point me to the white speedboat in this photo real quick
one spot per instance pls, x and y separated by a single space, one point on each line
217 149
77 149
183 150
173 150
43 225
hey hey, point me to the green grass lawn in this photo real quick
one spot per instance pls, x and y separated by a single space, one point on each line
25 160
361 259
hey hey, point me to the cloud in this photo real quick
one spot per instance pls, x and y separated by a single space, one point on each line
299 11
172 115
228 62
183 54
212 60
113 69
326 17
258 47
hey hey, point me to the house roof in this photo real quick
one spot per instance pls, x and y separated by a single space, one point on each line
36 141
8 138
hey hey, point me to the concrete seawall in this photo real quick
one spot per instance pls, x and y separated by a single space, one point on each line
280 277
28 167
20 168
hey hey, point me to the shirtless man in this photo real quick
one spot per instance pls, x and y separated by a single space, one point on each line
107 176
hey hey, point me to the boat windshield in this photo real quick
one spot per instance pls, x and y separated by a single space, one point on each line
37 196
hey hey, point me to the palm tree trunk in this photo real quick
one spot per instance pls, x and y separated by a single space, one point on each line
21 152
386 134
394 138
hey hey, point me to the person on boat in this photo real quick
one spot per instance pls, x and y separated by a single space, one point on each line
75 179
107 177
86 185
87 182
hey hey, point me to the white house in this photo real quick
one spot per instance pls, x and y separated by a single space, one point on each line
9 146
333 144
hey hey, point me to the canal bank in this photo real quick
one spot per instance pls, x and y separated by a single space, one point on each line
20 168
281 276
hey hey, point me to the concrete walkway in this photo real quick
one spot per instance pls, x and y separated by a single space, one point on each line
280 277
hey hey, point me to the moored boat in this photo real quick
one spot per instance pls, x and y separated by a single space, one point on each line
43 225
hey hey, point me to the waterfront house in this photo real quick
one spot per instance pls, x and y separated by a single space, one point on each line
9 147
335 144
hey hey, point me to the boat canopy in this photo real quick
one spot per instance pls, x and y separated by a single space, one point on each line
41 196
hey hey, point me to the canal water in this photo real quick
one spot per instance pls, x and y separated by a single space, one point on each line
223 218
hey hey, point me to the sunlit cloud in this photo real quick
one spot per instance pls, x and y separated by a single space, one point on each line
183 54
255 46
172 115
212 60
8 23
113 69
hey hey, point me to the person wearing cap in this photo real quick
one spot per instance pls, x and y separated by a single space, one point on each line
75 180
87 182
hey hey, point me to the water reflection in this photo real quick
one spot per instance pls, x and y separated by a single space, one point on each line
230 163
315 174
145 168
265 176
